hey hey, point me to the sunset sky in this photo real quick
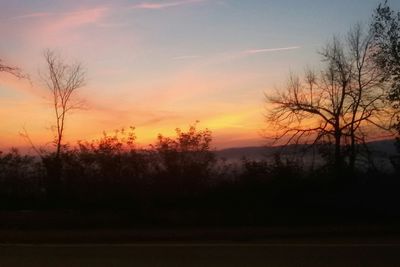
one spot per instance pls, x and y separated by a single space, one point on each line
158 65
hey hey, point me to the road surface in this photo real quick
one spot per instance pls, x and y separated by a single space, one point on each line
275 254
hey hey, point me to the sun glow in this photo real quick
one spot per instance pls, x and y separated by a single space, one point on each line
155 65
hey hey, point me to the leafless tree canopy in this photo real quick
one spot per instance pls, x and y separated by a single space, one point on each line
341 104
11 70
62 80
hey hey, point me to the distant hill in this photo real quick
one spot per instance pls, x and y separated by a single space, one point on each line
380 149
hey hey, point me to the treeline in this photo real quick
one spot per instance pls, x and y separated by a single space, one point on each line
111 171
181 181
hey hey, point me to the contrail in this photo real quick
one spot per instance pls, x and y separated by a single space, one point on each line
266 50
148 5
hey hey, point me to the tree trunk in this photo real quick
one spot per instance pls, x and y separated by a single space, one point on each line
338 156
352 157
53 178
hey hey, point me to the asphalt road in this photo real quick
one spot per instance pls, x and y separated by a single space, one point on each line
202 254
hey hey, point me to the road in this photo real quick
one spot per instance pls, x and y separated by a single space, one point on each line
202 254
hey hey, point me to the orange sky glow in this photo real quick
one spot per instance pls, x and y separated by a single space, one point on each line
159 65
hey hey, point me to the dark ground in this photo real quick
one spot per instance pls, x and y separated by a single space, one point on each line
335 233
289 253
60 242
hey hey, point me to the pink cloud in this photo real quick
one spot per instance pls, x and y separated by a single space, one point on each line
67 19
146 5
186 57
60 28
78 18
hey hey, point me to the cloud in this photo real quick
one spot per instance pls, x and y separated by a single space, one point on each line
223 57
157 119
267 50
64 28
62 20
147 5
32 15
78 18
185 57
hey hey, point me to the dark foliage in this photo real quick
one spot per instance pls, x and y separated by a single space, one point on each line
184 164
110 182
20 179
386 32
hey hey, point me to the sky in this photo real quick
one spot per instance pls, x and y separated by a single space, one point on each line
159 65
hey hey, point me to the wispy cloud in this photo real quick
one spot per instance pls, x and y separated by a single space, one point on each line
186 57
267 50
60 27
158 119
67 19
78 18
32 15
158 5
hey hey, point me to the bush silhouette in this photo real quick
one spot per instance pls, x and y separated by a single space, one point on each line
186 161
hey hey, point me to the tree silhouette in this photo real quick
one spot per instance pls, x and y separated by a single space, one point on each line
340 104
62 80
386 30
11 70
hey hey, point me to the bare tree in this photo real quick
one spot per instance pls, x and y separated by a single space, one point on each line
11 70
368 91
62 80
339 104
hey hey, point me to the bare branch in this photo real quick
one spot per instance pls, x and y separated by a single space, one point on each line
62 80
348 95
